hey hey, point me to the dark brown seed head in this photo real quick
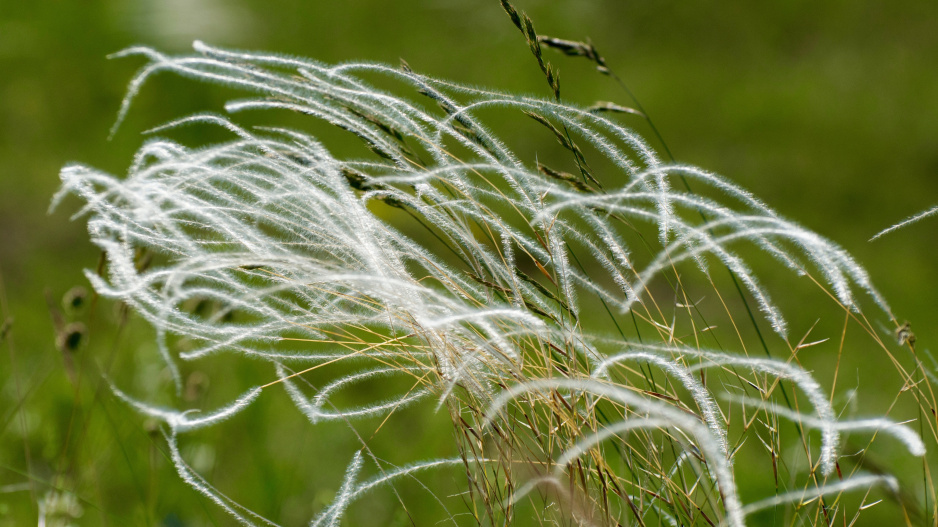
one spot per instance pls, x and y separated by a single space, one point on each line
72 337
904 334
75 299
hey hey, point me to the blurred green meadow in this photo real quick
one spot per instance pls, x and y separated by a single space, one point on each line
828 111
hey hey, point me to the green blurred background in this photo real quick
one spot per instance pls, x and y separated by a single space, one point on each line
826 110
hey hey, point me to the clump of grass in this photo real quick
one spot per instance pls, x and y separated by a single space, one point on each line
548 309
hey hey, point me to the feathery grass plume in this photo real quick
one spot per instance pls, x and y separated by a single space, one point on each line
501 311
334 514
806 496
349 494
907 436
908 221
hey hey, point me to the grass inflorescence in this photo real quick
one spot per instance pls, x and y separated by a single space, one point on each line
549 308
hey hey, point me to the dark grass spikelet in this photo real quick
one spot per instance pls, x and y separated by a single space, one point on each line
563 137
566 177
574 48
611 107
524 24
356 179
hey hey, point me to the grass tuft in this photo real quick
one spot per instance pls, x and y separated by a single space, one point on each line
568 319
